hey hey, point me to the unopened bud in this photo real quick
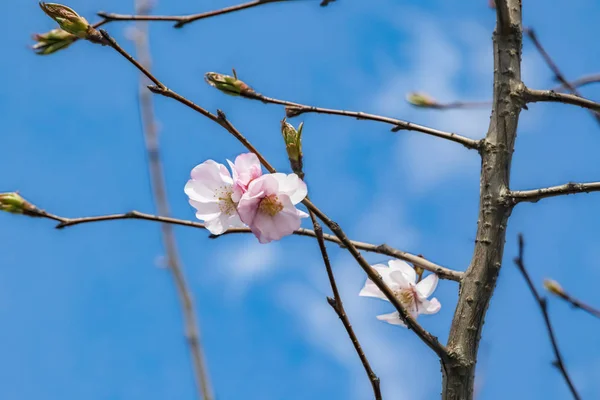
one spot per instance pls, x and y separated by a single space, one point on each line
53 41
72 22
293 143
15 204
554 287
228 84
419 99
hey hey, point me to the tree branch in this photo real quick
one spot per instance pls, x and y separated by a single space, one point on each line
182 20
552 65
156 171
221 119
295 109
479 282
533 96
520 263
535 195
338 306
554 288
384 249
583 81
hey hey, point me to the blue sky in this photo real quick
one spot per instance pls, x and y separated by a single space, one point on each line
89 312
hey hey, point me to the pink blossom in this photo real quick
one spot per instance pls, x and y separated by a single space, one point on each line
401 279
211 191
245 169
268 206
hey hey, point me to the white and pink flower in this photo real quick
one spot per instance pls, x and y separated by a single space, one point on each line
268 207
401 278
265 203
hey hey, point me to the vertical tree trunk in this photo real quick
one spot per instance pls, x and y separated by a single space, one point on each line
479 281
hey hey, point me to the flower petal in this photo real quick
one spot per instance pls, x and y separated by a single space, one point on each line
206 211
407 270
291 185
426 287
392 318
370 290
429 306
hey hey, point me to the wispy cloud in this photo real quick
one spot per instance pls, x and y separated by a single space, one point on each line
450 61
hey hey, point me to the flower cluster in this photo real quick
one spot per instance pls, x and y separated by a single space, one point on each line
402 279
264 202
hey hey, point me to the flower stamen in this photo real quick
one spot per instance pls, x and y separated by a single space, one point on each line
270 205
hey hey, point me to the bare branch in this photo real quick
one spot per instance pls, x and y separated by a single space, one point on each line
542 302
295 109
535 195
583 81
533 96
156 170
182 20
554 288
338 306
552 65
384 249
221 119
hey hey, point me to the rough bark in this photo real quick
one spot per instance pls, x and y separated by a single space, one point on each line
496 152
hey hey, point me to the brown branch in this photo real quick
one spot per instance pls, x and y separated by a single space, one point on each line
442 272
542 302
336 301
479 282
552 65
182 20
583 81
156 171
535 195
457 105
221 119
338 306
554 288
295 109
533 96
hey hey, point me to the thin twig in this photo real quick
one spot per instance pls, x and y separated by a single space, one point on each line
542 302
583 81
533 96
552 65
457 105
336 301
556 289
182 20
338 306
156 170
535 195
442 272
295 109
221 119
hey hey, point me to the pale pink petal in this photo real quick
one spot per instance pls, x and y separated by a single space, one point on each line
426 287
291 185
302 214
398 280
275 227
371 290
263 186
206 211
248 207
245 169
407 270
209 180
392 318
429 306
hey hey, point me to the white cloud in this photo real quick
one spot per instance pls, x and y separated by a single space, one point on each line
250 262
450 61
